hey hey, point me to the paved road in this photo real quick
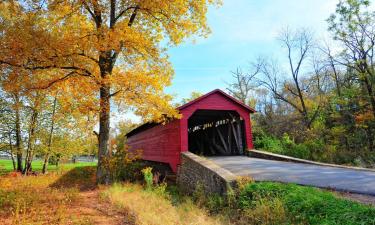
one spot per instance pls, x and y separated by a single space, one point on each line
341 179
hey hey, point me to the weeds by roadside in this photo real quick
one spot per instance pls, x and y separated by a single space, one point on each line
157 204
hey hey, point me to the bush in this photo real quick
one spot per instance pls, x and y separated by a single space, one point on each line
283 146
269 143
124 165
148 177
215 203
265 211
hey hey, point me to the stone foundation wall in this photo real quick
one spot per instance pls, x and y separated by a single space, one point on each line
195 170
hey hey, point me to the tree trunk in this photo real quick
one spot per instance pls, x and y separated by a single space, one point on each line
46 157
102 174
370 93
18 134
45 163
370 139
107 60
11 152
302 101
13 162
29 152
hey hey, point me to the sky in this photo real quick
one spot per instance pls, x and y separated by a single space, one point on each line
242 30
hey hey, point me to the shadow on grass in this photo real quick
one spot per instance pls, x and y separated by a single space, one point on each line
82 178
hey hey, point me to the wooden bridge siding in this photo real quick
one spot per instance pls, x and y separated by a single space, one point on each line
160 143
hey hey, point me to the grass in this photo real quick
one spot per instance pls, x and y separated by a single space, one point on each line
50 199
6 166
293 204
265 203
60 197
155 206
42 199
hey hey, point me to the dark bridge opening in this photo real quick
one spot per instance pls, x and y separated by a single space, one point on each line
216 132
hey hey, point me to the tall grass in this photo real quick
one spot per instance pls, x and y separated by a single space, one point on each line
156 207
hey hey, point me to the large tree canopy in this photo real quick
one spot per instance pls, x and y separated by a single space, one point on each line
99 51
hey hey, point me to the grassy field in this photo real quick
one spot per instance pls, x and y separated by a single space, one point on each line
69 195
6 165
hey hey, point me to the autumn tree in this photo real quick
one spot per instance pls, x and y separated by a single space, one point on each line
11 120
111 49
122 128
353 27
7 128
65 128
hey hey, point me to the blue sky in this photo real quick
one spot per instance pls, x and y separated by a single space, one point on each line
242 30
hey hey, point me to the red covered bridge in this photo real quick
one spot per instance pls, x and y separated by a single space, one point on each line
213 124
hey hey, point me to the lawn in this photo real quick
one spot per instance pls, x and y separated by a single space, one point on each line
6 165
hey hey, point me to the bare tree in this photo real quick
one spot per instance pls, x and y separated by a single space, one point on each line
299 46
244 82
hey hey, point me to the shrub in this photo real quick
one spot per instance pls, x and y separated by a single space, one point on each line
269 143
124 165
148 177
266 211
215 203
242 182
311 149
199 195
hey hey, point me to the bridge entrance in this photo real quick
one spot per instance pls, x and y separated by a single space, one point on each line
216 133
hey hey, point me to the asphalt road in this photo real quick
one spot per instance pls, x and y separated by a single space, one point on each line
340 179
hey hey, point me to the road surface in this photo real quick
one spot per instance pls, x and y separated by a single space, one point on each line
340 179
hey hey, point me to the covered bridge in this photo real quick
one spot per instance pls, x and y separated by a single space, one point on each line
213 124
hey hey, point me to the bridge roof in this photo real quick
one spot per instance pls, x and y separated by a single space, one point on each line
149 125
217 91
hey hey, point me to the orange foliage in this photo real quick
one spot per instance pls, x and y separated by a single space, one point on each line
62 44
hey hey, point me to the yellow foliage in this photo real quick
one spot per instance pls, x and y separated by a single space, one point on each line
82 46
364 118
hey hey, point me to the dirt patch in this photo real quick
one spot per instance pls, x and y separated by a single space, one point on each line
91 210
